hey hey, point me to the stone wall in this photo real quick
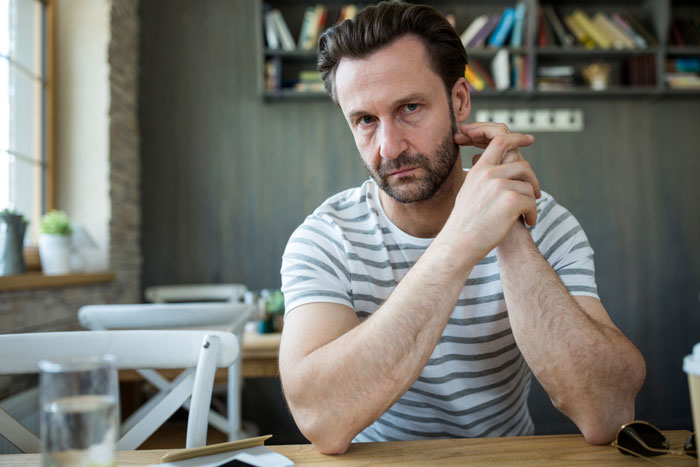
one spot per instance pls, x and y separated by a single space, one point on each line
55 309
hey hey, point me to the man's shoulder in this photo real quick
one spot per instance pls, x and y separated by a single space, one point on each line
346 205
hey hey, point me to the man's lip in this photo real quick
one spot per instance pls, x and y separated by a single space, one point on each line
403 170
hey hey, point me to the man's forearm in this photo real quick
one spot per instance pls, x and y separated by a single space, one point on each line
590 370
343 386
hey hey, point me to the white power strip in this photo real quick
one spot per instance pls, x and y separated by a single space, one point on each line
537 120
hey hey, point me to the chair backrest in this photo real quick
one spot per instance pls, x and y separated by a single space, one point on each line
196 293
221 316
200 352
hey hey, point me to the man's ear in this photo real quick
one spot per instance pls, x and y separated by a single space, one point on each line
461 103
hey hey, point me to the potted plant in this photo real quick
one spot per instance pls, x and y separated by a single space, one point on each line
55 243
12 242
274 312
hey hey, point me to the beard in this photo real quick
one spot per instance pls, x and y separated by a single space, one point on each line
414 188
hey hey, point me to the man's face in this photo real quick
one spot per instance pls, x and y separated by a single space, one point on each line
401 118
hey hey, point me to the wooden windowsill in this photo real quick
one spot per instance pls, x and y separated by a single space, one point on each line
34 280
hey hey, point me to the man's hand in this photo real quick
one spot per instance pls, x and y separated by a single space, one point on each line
480 134
500 188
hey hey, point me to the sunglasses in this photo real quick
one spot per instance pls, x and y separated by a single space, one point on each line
644 440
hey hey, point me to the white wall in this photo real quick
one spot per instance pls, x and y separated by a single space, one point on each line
82 129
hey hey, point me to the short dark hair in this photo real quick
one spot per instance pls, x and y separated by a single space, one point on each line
377 26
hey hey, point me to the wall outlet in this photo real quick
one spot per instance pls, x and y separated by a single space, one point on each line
534 120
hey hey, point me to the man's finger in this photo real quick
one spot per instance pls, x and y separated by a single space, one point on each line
500 145
475 159
502 127
520 171
484 135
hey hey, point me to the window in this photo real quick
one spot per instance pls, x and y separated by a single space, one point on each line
25 155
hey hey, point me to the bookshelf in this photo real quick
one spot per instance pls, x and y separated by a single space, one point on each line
657 69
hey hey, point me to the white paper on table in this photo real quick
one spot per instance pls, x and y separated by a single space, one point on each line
259 456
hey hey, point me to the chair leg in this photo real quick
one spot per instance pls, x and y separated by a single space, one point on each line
233 403
18 434
201 392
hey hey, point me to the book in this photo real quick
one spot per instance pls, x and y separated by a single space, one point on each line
500 67
347 12
500 34
482 73
516 37
617 36
306 25
555 78
473 28
591 29
474 80
273 74
580 35
624 25
683 80
640 29
273 41
542 40
350 11
283 33
321 16
480 38
675 33
518 72
563 37
687 29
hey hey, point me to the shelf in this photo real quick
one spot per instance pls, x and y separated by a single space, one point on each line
674 50
298 54
627 65
682 92
291 94
489 52
609 92
40 281
584 52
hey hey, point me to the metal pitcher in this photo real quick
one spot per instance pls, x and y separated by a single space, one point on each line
11 257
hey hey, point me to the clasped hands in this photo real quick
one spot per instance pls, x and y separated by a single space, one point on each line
500 189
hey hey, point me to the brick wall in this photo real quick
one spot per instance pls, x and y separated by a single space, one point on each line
55 309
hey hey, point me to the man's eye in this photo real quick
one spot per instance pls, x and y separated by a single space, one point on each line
366 120
411 107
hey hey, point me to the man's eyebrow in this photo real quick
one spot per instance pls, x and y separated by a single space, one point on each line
409 99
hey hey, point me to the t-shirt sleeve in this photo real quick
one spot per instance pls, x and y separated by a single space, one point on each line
562 241
314 267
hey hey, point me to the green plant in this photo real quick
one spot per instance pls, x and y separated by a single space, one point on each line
55 222
275 303
8 213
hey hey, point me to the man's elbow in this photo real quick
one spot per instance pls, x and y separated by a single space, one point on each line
322 434
599 433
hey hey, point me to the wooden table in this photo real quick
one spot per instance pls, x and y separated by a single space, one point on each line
260 352
569 450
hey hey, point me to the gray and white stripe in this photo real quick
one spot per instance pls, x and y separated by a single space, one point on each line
476 382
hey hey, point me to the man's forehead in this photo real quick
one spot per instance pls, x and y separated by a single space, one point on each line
401 68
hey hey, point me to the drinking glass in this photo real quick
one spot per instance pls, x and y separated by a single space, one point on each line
79 411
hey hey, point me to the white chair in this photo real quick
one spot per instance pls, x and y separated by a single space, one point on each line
221 316
198 352
195 293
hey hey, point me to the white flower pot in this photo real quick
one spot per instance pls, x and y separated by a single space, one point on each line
55 253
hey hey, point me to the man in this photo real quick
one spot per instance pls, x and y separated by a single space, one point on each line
419 303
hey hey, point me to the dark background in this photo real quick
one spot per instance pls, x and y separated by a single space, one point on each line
227 176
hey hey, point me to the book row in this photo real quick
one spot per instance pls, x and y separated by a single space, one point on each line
316 20
685 32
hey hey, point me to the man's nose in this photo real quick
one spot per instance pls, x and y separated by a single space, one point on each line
393 141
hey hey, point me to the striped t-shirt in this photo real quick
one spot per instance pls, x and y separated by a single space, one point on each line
476 382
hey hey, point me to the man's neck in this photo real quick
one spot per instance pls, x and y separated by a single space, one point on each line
424 219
